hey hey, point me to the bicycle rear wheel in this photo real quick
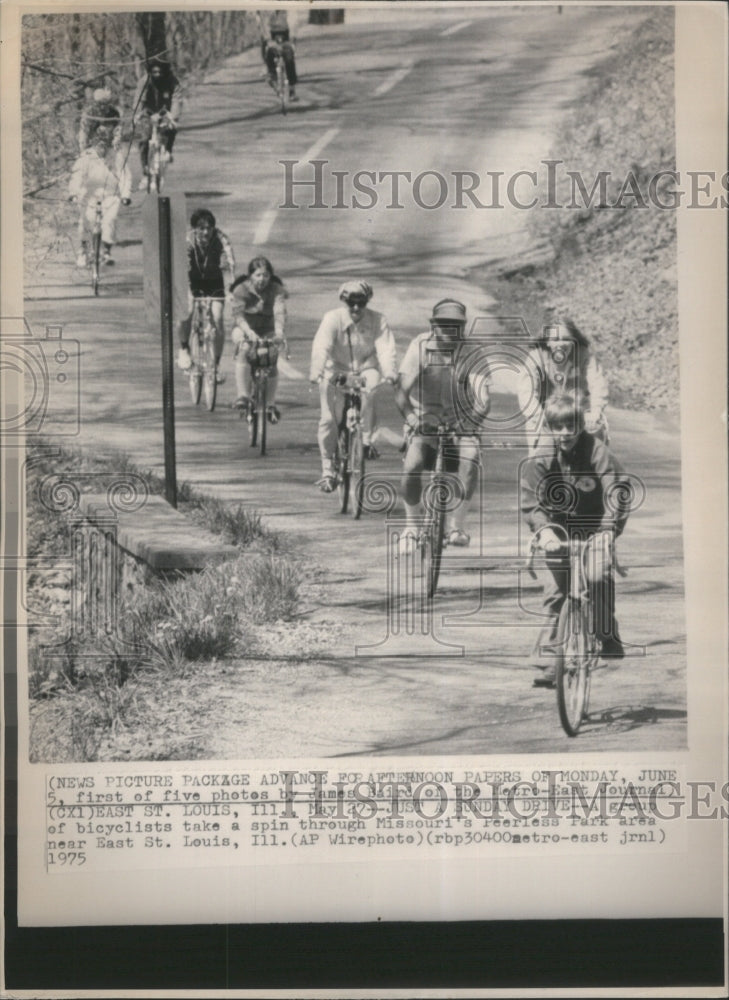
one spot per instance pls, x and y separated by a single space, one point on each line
95 261
357 467
342 470
434 534
575 653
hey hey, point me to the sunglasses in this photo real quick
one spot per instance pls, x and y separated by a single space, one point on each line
566 425
356 301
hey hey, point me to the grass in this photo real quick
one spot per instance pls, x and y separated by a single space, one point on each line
86 694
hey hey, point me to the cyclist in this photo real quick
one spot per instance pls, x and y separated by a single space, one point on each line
573 480
100 173
439 369
276 40
160 93
259 311
352 338
562 360
210 270
100 111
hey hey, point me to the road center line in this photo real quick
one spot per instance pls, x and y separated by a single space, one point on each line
390 82
454 28
267 220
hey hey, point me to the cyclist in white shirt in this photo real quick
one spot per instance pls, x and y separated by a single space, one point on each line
350 339
100 173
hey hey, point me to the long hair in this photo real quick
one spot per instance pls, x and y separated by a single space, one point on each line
575 334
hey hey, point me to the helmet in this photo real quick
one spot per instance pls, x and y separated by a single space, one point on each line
356 288
101 95
448 312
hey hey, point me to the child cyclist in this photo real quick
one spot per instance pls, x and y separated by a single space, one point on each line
259 311
574 481
100 174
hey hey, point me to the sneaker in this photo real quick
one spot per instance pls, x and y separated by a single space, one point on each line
292 94
143 183
459 538
273 413
370 452
327 484
271 81
242 403
408 544
219 378
81 260
107 258
612 648
545 678
184 361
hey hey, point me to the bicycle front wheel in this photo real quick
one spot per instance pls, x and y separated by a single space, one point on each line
153 175
357 471
282 85
434 534
252 420
95 261
210 371
262 410
574 659
343 470
195 375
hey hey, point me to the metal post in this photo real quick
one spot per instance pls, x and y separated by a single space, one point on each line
168 390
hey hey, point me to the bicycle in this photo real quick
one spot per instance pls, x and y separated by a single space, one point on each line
576 645
157 156
281 85
203 372
437 496
262 357
95 259
349 460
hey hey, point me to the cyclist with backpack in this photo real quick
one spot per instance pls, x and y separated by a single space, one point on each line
210 270
441 382
259 311
99 174
158 93
276 40
573 480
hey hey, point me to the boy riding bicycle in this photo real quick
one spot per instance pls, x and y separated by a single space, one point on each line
575 482
437 372
259 311
351 339
100 174
158 93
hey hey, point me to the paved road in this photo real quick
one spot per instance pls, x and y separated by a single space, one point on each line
471 91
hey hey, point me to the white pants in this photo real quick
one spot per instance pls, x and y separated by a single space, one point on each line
109 210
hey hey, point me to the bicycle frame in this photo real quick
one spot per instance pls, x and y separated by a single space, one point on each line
349 460
256 414
203 372
435 496
576 642
157 157
282 80
95 262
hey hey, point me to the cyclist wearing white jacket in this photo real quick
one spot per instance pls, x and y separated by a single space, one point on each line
100 174
352 338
